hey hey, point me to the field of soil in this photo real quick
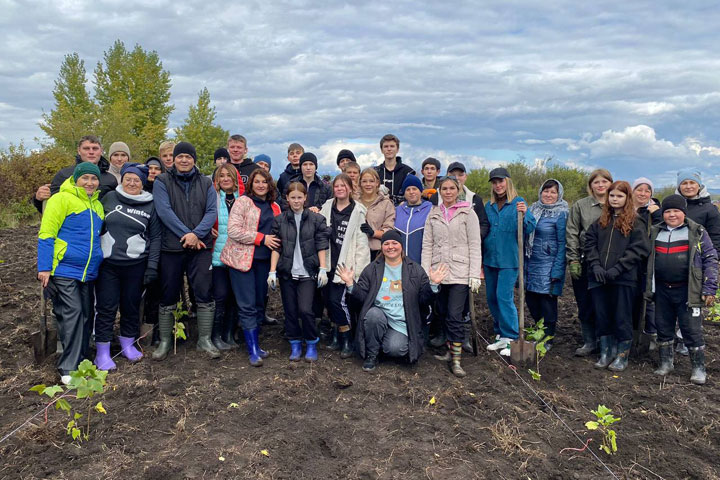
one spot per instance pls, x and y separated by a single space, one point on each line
192 417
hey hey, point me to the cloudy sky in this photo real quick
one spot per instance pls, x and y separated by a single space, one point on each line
631 86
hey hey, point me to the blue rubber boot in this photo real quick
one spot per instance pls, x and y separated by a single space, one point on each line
311 352
295 350
252 347
261 352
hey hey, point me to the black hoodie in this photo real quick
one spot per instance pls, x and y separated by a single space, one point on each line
150 184
284 179
245 168
107 180
393 179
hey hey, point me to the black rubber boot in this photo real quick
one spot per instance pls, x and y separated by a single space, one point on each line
216 338
667 353
621 360
697 358
606 343
334 340
467 344
165 327
346 349
590 343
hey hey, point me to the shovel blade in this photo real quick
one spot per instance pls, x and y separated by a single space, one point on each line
522 352
39 351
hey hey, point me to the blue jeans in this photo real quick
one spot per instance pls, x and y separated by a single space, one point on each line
250 290
500 287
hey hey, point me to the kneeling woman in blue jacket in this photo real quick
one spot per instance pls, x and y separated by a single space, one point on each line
391 290
300 263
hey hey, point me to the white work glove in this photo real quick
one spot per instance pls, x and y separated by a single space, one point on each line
272 280
322 277
384 190
474 285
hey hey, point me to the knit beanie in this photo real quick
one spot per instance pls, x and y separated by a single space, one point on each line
263 158
139 170
391 235
674 201
431 161
86 167
185 147
344 153
640 181
411 181
119 147
689 174
308 157
221 153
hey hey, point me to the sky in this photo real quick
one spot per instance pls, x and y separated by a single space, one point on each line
629 86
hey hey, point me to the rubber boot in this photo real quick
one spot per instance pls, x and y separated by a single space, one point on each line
589 341
621 360
605 352
260 351
652 345
456 354
205 319
697 359
445 357
426 334
254 357
667 353
311 352
102 357
295 350
467 344
335 339
439 340
165 329
346 349
128 349
217 331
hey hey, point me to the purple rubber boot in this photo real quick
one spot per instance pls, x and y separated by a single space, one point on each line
102 357
128 349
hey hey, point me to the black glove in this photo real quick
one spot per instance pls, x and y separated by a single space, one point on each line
612 274
598 273
151 275
367 229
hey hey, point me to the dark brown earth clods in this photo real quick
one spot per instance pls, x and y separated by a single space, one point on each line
177 418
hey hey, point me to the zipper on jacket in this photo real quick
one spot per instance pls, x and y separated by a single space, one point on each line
607 253
407 230
92 235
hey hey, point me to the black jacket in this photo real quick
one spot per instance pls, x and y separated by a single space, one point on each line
394 179
416 292
702 211
608 247
107 180
284 181
314 237
245 168
317 193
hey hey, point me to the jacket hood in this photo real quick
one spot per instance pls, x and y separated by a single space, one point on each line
69 186
289 169
103 164
703 194
140 199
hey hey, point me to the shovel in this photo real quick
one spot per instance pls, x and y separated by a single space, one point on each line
521 351
44 341
473 325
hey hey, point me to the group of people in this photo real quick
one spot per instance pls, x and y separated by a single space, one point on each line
394 258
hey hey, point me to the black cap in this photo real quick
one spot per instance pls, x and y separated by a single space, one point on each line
499 172
456 166
391 235
344 153
184 147
308 157
674 201
221 153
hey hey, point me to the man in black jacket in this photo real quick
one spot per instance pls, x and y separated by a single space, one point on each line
392 171
186 203
89 150
295 151
318 192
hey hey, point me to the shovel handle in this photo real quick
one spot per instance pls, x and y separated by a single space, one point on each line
521 274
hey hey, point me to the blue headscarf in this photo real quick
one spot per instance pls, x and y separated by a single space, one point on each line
540 209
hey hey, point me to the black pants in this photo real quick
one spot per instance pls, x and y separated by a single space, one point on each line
121 285
197 265
613 310
643 307
584 301
73 308
225 311
336 305
153 292
671 307
451 303
297 298
543 306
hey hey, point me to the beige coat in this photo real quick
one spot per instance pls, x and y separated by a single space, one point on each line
354 252
456 244
381 216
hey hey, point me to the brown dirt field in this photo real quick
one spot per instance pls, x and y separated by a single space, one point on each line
173 419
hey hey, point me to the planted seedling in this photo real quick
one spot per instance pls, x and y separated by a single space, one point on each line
537 334
86 382
179 327
602 422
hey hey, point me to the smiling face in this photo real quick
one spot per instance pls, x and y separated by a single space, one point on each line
237 150
260 186
392 250
296 200
89 182
369 184
449 192
689 188
549 195
673 217
412 195
132 184
599 186
499 186
341 190
225 181
119 159
184 163
642 195
617 199
90 152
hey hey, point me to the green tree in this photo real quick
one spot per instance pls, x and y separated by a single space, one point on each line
74 113
200 130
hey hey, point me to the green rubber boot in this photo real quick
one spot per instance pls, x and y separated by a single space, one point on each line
165 327
205 318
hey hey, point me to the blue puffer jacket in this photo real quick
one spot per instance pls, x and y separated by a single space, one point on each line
500 248
410 222
545 269
221 227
